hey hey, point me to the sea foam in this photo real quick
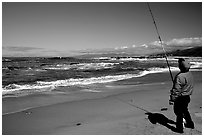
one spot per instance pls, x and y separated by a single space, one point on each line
81 66
41 86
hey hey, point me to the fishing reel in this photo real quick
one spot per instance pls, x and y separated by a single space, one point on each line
171 100
173 96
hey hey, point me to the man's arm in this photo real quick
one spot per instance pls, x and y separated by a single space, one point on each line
177 88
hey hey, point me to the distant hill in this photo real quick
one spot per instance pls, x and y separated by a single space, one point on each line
190 52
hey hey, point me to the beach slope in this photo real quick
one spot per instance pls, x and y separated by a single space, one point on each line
127 113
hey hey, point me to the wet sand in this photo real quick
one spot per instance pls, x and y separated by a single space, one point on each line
124 113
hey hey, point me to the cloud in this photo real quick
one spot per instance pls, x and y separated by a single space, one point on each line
20 49
121 48
153 47
185 42
124 47
157 43
171 45
14 51
144 45
180 42
174 44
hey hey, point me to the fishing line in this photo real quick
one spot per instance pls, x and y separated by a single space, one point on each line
133 105
160 41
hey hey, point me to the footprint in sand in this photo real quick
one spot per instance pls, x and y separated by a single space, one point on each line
164 109
27 112
78 124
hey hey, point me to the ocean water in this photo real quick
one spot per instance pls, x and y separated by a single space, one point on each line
28 77
23 76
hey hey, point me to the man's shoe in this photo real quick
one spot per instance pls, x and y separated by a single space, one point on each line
179 130
189 126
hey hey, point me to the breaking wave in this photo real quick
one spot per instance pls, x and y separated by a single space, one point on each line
41 86
196 65
81 66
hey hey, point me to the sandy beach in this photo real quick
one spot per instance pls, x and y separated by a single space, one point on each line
124 113
100 68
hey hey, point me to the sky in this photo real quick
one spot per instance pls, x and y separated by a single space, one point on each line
65 28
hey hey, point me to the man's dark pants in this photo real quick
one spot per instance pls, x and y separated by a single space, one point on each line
181 111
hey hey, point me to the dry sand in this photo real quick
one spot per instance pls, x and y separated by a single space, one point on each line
121 114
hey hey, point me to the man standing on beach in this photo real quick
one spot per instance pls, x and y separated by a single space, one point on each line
180 94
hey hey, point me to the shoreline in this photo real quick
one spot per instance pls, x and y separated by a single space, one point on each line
81 99
12 105
106 114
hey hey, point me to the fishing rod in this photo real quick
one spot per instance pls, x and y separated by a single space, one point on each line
160 41
164 56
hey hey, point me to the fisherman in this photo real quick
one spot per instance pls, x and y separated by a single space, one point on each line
180 95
